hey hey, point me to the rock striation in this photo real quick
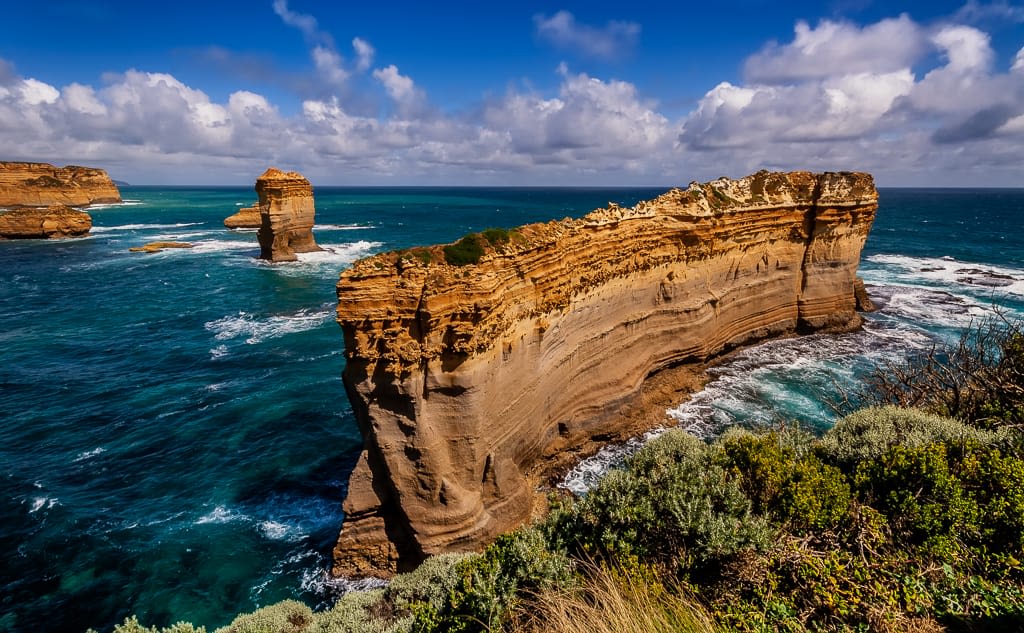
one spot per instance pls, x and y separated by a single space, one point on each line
466 380
42 184
286 215
55 221
245 218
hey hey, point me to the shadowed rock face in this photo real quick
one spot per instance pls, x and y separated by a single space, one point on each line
286 214
466 380
56 221
42 184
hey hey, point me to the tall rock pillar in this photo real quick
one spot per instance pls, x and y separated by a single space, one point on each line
286 214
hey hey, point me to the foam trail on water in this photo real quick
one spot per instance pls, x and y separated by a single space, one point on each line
256 330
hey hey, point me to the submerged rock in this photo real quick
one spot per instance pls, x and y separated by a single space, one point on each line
55 221
156 247
472 367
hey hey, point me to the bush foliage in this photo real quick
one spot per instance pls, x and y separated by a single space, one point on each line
896 519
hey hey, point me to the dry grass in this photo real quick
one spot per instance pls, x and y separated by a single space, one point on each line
611 603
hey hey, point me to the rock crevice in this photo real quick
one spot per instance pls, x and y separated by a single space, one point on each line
466 380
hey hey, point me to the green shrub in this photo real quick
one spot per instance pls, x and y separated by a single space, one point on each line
801 493
962 503
289 616
869 433
518 563
495 236
466 251
131 625
672 505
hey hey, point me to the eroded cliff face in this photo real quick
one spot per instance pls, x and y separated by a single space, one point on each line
42 184
54 222
286 215
465 380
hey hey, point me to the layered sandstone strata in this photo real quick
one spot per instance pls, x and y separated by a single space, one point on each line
245 218
286 215
55 221
42 184
464 380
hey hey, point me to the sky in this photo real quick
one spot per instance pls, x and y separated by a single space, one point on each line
596 93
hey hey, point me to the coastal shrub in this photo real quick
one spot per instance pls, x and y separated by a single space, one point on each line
672 505
801 493
867 434
360 612
962 503
517 564
289 616
466 251
131 625
496 236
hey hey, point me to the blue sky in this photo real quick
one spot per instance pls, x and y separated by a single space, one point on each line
525 93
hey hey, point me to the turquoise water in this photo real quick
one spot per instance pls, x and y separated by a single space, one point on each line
174 436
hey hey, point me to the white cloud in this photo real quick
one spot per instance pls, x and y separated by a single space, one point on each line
307 24
834 48
329 65
1018 61
399 87
364 53
613 40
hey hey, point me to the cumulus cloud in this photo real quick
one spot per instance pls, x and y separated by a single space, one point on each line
613 40
846 96
837 47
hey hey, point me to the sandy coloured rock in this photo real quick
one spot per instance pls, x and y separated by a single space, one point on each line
42 184
54 222
245 218
286 215
466 380
156 247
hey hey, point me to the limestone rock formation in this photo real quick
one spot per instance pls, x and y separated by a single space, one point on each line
286 215
466 380
156 247
245 218
55 221
42 184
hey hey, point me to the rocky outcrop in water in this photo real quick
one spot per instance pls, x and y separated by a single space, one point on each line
286 215
245 218
53 222
156 247
42 184
466 380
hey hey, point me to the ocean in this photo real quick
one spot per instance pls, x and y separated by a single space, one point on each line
174 435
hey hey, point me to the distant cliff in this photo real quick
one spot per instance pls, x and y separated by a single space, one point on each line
466 378
42 184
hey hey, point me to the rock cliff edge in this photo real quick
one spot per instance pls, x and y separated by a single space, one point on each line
42 184
466 379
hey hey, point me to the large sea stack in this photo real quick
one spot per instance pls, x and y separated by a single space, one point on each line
42 184
286 214
465 380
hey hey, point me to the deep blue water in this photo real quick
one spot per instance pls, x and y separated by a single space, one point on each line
174 436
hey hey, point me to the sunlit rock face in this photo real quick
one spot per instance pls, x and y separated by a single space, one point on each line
54 222
467 380
42 184
286 215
